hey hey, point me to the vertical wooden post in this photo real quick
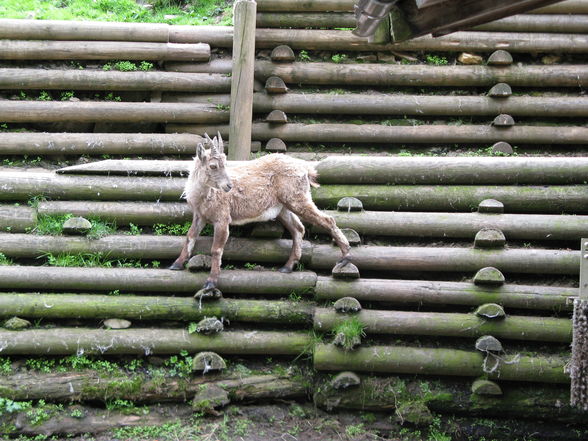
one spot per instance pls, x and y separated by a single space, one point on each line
584 269
242 80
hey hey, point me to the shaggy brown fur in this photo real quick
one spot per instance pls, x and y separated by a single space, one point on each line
272 187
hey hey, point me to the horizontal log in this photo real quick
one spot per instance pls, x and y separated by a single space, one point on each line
461 225
136 280
101 50
111 80
106 111
377 258
130 167
308 5
437 361
490 41
20 186
27 143
452 170
382 75
80 306
94 386
377 223
546 402
214 66
441 324
565 7
325 20
516 199
18 29
420 105
68 341
374 133
122 213
446 293
557 23
17 219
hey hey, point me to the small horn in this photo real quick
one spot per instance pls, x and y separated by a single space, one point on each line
207 139
221 144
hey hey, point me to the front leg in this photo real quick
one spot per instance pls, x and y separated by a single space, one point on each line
221 234
188 249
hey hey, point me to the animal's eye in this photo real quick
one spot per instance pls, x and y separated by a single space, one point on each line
213 166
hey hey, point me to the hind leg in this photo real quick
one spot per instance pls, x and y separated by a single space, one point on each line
291 222
305 208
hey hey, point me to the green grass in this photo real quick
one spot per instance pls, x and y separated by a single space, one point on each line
53 225
209 12
5 260
94 260
351 329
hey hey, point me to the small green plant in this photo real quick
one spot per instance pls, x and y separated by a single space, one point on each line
192 327
355 430
5 366
125 66
303 56
44 96
22 95
76 413
107 66
45 365
339 58
436 60
250 266
134 230
145 65
223 107
51 224
172 229
351 329
111 97
179 365
9 406
5 260
295 297
115 292
67 95
100 228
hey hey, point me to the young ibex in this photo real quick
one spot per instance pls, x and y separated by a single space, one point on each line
272 187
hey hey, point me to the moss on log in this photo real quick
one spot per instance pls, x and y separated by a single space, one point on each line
106 111
151 280
450 325
67 341
96 143
446 293
436 361
80 306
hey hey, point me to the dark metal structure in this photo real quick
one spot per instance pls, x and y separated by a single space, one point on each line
413 18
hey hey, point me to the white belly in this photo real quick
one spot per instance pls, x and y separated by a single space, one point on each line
267 215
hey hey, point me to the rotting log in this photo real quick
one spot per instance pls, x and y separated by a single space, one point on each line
101 50
20 186
558 23
92 386
461 225
16 218
308 5
105 111
67 341
516 199
395 135
137 280
122 213
96 143
18 29
442 324
490 41
382 104
453 396
76 79
88 306
452 170
372 74
305 20
242 77
446 293
438 361
377 258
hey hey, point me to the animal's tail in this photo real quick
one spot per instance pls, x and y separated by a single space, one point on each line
313 177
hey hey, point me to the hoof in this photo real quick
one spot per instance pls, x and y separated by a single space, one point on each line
208 293
285 270
209 285
176 266
344 261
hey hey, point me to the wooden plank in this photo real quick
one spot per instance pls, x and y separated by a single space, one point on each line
584 270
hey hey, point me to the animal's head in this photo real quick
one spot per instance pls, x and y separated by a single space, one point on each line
213 163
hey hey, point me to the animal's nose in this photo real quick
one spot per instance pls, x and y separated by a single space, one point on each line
229 186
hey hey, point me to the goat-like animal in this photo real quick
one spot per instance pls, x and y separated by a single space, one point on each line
272 187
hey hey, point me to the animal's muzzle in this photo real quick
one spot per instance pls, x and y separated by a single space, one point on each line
227 187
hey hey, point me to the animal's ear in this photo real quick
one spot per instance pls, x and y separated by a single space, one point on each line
221 144
200 152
